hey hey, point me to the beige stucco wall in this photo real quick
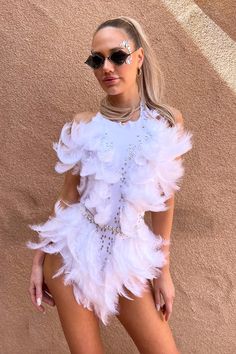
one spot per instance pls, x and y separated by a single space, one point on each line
44 82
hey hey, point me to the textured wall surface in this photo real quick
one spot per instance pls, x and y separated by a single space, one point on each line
44 82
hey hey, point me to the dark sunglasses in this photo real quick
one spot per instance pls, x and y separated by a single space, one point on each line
95 61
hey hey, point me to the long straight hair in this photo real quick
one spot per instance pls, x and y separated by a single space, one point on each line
151 80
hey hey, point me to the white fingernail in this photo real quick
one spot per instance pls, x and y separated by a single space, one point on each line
158 307
39 301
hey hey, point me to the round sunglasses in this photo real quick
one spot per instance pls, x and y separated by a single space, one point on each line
95 61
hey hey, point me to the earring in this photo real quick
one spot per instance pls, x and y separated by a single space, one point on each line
139 72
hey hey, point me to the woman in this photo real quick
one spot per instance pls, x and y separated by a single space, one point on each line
96 256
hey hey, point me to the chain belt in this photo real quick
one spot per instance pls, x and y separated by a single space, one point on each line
87 213
89 216
114 229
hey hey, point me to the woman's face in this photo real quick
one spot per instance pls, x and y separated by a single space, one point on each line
104 42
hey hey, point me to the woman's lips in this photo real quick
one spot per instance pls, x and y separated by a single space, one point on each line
110 81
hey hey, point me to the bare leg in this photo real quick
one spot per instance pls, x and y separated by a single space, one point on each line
145 325
80 325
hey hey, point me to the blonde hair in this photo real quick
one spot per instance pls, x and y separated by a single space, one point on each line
151 80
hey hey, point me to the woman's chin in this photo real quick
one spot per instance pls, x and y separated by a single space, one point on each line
112 91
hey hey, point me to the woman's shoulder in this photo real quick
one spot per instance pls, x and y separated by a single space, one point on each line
84 117
177 114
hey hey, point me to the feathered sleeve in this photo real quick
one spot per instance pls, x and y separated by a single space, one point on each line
68 148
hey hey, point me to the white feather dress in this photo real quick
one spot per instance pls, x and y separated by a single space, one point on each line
103 239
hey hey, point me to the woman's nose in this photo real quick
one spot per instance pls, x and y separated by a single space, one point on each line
108 65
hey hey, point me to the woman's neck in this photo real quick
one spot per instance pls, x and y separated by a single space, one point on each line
124 100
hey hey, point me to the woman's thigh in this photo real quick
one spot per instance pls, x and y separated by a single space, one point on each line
145 325
80 325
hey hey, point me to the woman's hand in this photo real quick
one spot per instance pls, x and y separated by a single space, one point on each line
38 290
163 286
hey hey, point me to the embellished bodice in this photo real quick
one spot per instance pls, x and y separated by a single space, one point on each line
125 169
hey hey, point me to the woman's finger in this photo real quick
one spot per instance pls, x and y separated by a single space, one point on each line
31 291
47 296
168 308
48 299
39 297
158 299
45 287
33 297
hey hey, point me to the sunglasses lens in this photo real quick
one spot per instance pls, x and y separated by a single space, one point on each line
119 57
94 61
97 61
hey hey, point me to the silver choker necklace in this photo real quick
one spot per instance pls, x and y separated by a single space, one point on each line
118 114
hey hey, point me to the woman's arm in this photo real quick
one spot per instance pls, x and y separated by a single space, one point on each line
162 221
162 225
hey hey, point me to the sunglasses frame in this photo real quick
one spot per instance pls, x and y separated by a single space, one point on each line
89 59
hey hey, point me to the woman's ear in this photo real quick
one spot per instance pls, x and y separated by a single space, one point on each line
140 56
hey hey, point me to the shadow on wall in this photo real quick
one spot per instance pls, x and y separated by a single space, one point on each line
222 13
